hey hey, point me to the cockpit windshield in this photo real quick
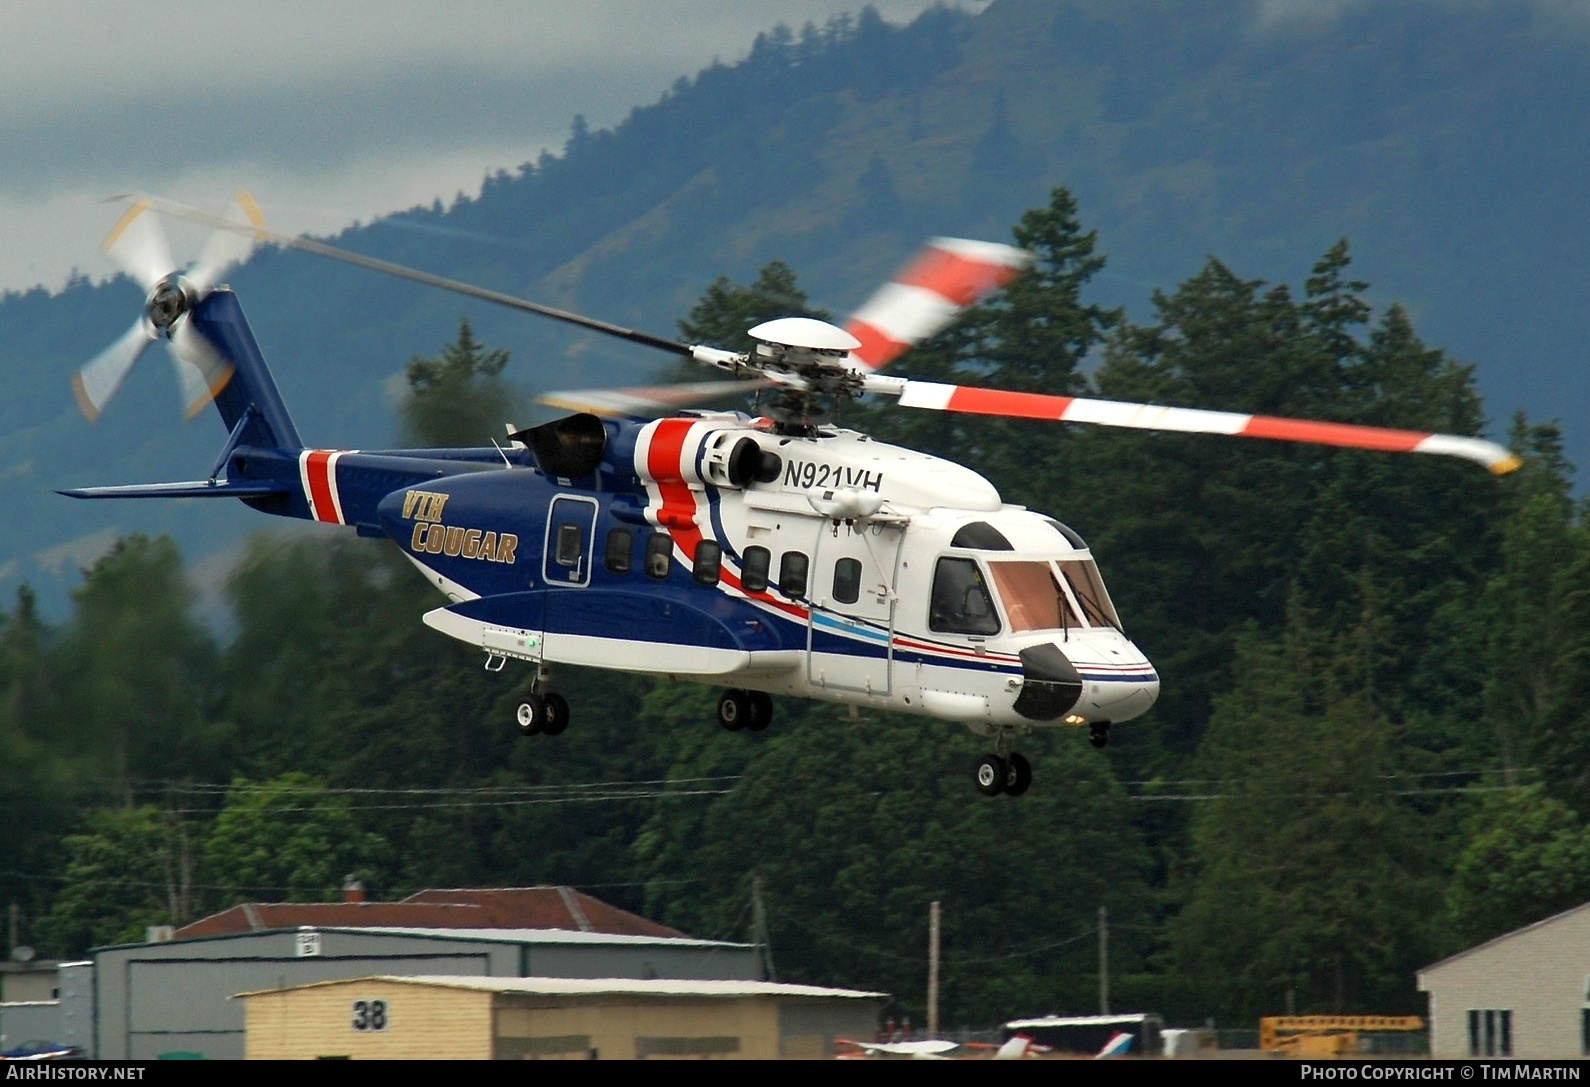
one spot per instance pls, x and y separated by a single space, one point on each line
1049 595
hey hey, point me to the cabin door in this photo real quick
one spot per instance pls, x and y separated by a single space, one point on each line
850 635
571 539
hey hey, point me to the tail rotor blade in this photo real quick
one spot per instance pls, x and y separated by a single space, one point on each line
1114 413
97 381
948 275
202 372
225 248
138 247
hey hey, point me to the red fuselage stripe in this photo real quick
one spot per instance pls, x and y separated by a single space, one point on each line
317 470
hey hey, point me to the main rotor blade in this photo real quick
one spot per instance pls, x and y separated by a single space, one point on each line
97 380
948 275
647 400
1074 409
220 222
138 247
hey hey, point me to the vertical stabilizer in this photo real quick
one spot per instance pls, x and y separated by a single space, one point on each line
220 318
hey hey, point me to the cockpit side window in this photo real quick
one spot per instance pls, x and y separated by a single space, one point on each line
961 602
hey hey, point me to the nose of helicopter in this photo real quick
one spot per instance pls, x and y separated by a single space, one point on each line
1052 685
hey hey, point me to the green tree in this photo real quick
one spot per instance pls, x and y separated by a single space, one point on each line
855 829
726 309
459 397
136 670
1527 857
289 839
1306 873
128 868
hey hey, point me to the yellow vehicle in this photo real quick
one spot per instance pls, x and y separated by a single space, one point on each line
1324 1036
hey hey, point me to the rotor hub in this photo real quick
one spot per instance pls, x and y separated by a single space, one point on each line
171 298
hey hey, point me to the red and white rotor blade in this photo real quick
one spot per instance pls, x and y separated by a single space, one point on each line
1075 409
948 275
647 400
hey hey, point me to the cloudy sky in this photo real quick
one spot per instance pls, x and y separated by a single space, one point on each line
328 111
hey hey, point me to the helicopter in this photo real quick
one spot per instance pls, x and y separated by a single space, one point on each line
775 554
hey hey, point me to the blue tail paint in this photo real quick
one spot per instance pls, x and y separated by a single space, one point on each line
220 318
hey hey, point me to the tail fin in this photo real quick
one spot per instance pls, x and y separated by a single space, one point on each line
220 318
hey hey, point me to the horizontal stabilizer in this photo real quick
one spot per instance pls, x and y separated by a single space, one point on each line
198 489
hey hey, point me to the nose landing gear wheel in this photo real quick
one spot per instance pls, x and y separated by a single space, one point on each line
531 716
1018 774
1099 734
761 715
557 714
992 772
734 710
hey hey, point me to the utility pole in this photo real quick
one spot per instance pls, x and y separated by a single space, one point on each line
1104 961
933 970
764 945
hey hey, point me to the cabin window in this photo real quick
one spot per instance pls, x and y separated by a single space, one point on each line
570 544
961 603
1086 585
753 570
1033 596
659 554
792 574
847 581
708 563
620 544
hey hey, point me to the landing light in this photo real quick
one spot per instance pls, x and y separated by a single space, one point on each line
1075 719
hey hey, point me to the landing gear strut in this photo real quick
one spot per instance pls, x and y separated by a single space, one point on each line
542 711
1005 771
739 709
1099 734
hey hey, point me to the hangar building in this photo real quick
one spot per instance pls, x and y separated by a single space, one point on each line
473 1018
1525 994
175 996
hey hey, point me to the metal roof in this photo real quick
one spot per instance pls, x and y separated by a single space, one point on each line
535 936
1494 940
601 987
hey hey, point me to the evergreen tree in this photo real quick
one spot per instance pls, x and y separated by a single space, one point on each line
1306 874
726 309
459 397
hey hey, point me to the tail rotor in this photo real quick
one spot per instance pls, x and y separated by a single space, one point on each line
138 247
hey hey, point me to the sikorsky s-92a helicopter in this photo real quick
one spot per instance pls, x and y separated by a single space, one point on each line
776 554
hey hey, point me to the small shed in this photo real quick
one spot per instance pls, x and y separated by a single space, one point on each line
539 1018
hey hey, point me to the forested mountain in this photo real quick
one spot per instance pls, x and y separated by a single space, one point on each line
1370 746
1444 139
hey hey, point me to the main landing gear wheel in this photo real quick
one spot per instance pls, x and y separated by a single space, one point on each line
761 710
1099 734
992 773
734 710
557 714
1018 774
531 716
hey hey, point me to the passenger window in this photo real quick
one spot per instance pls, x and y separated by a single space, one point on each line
847 581
792 574
753 571
709 562
620 544
961 603
659 554
571 544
